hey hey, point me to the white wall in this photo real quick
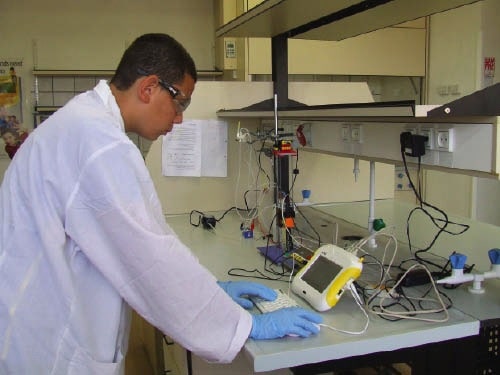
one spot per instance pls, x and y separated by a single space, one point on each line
394 51
491 32
330 178
455 39
92 34
459 41
488 191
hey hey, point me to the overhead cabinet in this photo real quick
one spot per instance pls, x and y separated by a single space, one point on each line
330 20
371 37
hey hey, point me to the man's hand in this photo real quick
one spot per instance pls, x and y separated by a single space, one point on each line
294 321
239 291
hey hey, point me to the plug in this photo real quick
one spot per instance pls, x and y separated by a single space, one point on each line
415 277
413 144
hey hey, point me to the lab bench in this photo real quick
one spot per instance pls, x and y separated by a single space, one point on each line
467 343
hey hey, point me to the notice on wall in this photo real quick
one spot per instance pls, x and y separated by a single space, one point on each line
196 148
11 123
489 71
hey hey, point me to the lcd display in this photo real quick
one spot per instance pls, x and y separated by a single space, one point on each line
321 273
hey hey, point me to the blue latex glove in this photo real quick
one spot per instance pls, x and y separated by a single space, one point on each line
288 321
240 290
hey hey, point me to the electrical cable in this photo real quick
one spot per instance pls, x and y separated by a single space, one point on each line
295 174
274 275
259 163
440 223
413 314
261 190
201 214
359 303
395 296
311 226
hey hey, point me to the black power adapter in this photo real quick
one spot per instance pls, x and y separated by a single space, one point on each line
208 221
415 277
413 144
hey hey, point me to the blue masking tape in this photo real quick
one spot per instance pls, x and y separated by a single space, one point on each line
457 261
494 255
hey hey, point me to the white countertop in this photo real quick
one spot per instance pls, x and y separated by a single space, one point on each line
226 248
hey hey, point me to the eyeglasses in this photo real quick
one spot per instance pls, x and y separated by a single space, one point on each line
180 99
180 103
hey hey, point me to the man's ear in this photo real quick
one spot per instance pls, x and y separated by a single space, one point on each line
146 87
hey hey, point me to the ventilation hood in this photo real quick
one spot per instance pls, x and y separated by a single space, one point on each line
293 109
482 103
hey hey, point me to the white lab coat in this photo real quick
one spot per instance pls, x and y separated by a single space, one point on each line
83 238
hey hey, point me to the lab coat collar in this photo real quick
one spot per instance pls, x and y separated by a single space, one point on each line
104 91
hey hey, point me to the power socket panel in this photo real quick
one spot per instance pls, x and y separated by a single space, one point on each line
345 133
356 134
444 140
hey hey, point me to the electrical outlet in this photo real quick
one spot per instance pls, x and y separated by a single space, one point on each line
345 133
444 140
356 134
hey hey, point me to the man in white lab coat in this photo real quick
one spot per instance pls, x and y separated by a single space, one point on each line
83 238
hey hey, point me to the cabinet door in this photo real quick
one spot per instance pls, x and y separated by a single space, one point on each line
175 358
144 348
240 366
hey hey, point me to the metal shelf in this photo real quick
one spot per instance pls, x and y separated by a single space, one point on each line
105 73
72 73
